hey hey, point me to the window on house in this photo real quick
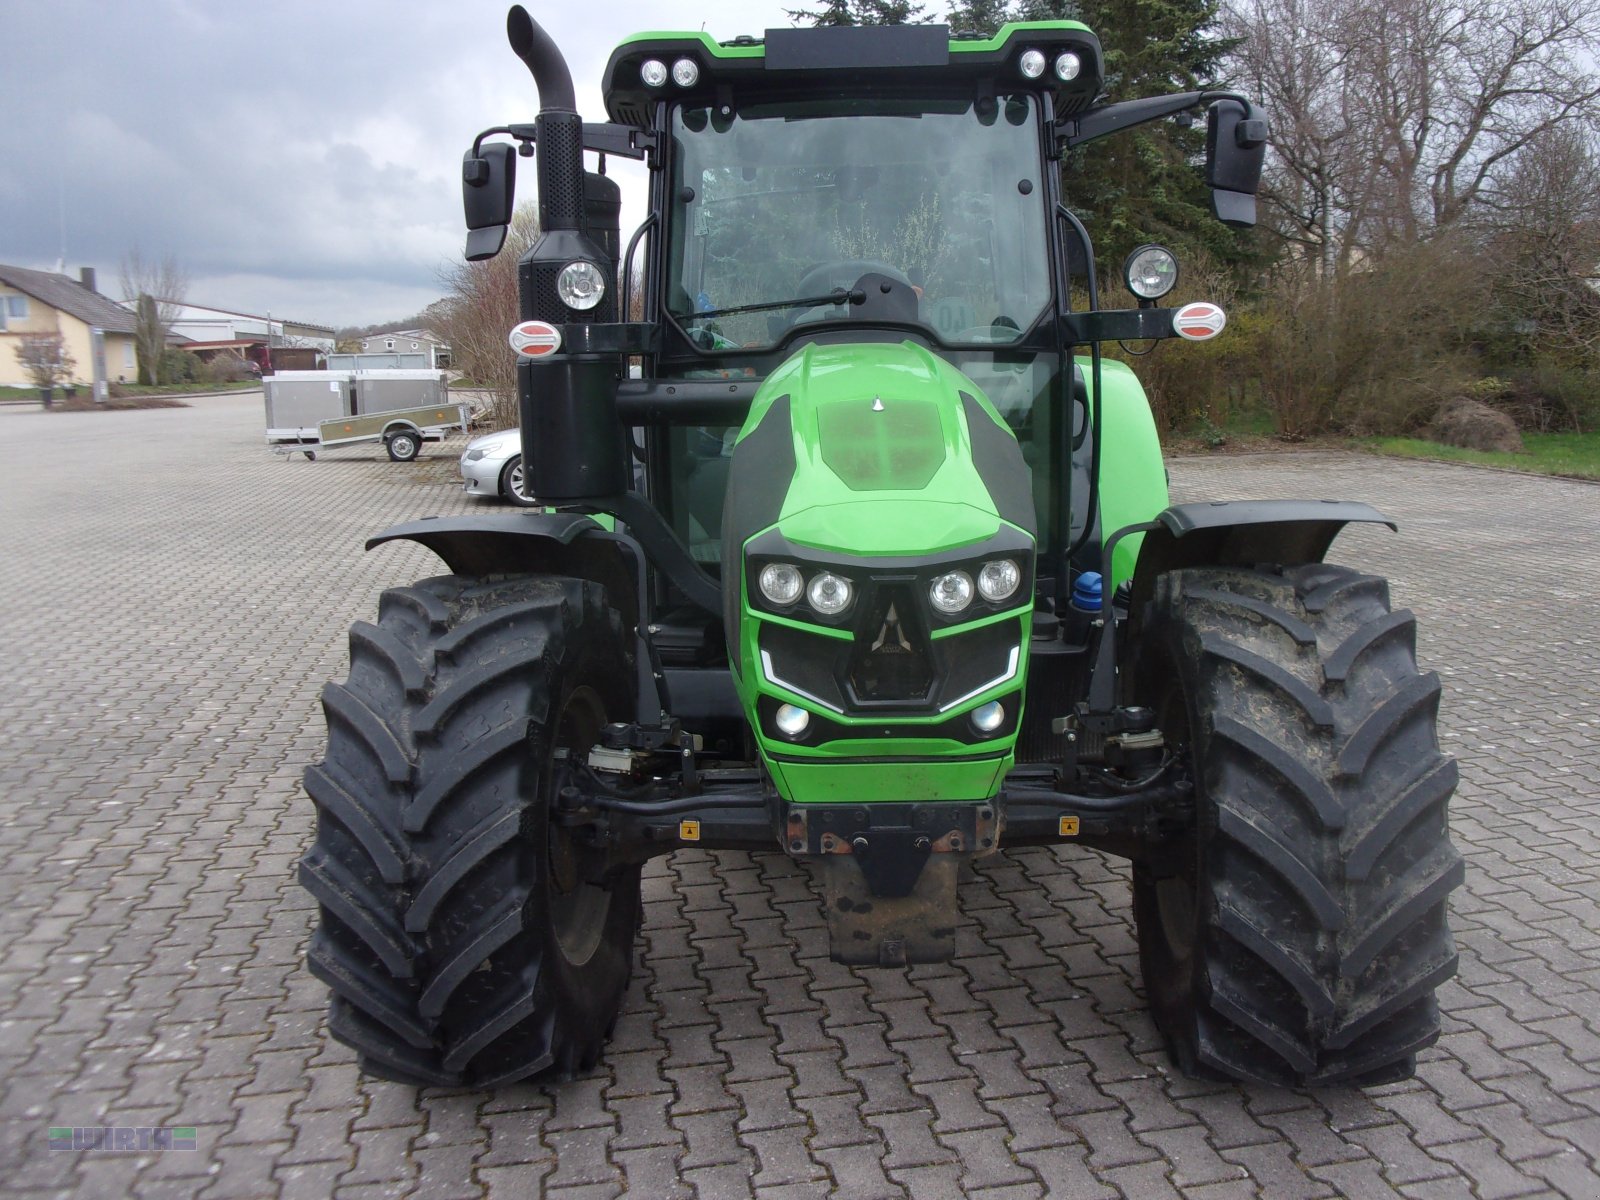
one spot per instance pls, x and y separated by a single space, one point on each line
388 343
13 308
127 354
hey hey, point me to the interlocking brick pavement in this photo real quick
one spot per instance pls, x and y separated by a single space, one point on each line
172 598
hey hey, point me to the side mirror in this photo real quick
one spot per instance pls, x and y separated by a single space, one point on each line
488 185
1236 147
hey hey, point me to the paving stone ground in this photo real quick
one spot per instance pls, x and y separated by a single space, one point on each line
172 597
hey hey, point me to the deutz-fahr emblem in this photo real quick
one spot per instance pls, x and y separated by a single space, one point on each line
535 339
1199 322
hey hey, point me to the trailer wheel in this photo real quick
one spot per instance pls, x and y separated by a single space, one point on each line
1297 933
403 445
467 938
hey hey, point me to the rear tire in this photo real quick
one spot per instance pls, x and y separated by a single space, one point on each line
1297 934
466 938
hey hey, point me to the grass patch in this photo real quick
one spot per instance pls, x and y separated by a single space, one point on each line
185 389
1575 455
82 403
124 394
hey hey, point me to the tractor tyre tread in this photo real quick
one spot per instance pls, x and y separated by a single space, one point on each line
1325 863
429 863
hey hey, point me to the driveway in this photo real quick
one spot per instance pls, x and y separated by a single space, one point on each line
172 597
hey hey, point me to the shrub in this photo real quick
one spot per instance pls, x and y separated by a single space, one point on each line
44 357
179 366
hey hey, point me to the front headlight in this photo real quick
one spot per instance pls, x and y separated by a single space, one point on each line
829 594
780 583
473 455
998 579
951 592
581 285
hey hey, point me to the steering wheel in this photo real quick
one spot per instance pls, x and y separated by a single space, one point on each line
820 278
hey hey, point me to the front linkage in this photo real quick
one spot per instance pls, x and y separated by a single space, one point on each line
889 869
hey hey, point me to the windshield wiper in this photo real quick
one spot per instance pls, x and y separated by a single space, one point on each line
837 296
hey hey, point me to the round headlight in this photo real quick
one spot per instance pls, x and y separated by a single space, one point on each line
580 285
653 72
781 583
829 594
1032 63
1067 66
998 579
791 720
1150 272
685 72
986 718
951 592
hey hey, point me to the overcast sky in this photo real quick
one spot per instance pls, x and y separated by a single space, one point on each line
297 157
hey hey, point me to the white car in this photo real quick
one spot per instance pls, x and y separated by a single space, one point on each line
492 466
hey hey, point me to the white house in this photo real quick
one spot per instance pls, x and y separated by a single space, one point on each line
409 341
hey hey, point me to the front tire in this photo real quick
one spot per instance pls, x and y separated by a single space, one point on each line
512 482
1296 934
468 939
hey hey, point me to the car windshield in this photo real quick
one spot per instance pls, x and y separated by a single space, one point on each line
777 205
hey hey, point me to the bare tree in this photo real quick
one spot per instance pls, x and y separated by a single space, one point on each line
1541 233
478 311
1395 119
157 289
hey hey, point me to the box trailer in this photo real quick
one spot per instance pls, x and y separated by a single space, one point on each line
311 410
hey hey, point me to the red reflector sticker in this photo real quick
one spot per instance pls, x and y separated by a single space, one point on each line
1198 322
535 339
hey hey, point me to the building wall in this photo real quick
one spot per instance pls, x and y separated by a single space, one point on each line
42 318
378 343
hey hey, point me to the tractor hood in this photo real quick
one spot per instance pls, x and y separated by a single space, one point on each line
883 453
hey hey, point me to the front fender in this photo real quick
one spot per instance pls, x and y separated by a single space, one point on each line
552 543
1241 533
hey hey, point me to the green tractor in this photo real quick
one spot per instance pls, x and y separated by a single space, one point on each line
854 548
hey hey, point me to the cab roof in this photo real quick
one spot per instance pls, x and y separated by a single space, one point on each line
847 61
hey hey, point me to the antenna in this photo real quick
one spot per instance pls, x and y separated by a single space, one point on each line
61 219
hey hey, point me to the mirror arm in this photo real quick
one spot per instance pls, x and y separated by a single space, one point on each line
601 137
1114 118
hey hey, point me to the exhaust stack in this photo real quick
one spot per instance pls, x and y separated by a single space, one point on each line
559 165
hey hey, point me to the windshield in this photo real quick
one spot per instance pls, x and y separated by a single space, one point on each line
776 206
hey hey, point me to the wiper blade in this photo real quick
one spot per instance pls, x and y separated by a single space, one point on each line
837 296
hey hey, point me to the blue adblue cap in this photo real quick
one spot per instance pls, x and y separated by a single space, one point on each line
1086 591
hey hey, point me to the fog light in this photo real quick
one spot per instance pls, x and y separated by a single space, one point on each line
792 720
685 72
653 72
986 718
